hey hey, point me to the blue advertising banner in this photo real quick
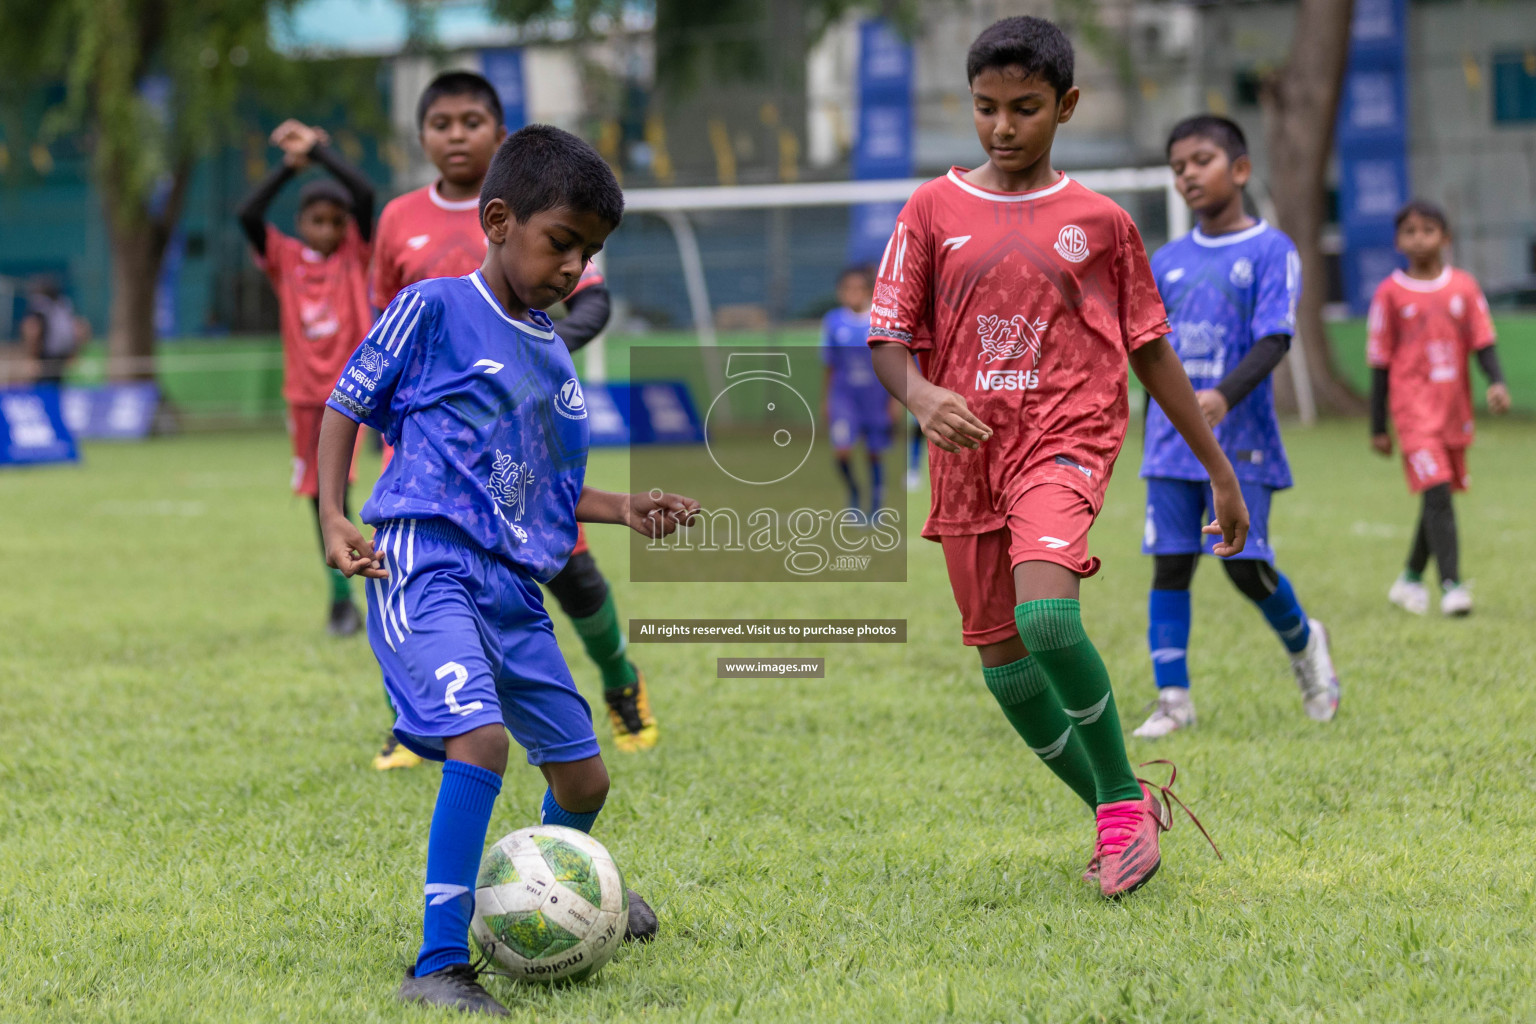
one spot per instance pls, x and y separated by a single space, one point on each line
114 412
1372 142
32 428
883 147
642 412
504 70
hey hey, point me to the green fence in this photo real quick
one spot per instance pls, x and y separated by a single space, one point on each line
231 382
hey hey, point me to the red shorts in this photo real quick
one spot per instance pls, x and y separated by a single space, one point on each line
1049 523
304 432
1433 463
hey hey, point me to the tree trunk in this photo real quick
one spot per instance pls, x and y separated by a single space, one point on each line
1301 102
138 239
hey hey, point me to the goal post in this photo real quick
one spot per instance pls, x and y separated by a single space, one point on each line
676 206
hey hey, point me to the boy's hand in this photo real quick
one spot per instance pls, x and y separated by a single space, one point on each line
1498 399
1231 517
657 514
347 550
296 139
946 420
1382 443
1213 404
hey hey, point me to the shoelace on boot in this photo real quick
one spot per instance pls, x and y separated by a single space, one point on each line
1117 823
1167 793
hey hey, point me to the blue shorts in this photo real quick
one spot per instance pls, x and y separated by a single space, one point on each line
1177 509
464 641
858 417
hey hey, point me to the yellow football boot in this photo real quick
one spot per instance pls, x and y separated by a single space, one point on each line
629 712
395 755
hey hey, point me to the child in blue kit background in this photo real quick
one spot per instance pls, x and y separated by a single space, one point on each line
467 379
857 405
1230 287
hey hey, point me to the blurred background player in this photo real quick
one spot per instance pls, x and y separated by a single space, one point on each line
435 231
856 406
470 513
1424 322
320 279
51 332
1024 294
1230 287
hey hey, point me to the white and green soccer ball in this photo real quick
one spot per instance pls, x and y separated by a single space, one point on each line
550 904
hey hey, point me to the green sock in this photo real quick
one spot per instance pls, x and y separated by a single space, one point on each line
1053 632
1025 694
605 644
1413 577
341 587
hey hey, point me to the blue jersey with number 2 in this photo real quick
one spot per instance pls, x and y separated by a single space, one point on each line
488 421
1224 293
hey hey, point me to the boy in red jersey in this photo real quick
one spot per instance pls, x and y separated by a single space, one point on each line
1424 322
320 279
435 231
1023 294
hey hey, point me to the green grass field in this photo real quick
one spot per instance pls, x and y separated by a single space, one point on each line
189 830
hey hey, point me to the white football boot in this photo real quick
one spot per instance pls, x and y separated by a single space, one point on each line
1457 600
1175 711
1313 668
1409 596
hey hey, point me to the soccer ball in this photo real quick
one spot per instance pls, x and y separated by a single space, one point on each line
550 904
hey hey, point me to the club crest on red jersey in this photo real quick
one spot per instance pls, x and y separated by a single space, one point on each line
1008 339
1072 244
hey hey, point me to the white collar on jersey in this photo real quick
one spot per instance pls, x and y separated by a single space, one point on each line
438 201
1212 241
1413 284
485 293
1006 197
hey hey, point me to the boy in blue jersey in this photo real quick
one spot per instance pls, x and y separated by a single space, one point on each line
468 380
1230 287
857 405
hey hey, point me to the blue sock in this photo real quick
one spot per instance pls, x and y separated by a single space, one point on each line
915 450
876 484
1168 636
853 487
554 814
1286 617
463 813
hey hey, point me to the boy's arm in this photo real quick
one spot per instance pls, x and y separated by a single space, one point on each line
1158 368
945 418
587 313
1498 391
1380 439
651 514
1249 373
359 187
252 210
346 548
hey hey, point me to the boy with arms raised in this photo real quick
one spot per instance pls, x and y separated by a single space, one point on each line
467 379
435 231
1023 294
1230 287
857 407
320 279
1424 323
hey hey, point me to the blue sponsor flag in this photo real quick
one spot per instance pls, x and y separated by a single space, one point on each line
503 68
884 147
32 428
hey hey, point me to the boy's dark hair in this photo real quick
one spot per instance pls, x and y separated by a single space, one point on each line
1034 44
458 83
324 190
1220 130
859 270
1423 208
540 168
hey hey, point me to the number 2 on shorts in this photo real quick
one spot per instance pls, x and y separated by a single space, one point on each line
460 677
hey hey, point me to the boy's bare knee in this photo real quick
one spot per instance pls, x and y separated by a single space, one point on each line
485 747
579 786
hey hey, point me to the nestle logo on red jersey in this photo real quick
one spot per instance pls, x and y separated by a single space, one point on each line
1007 380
